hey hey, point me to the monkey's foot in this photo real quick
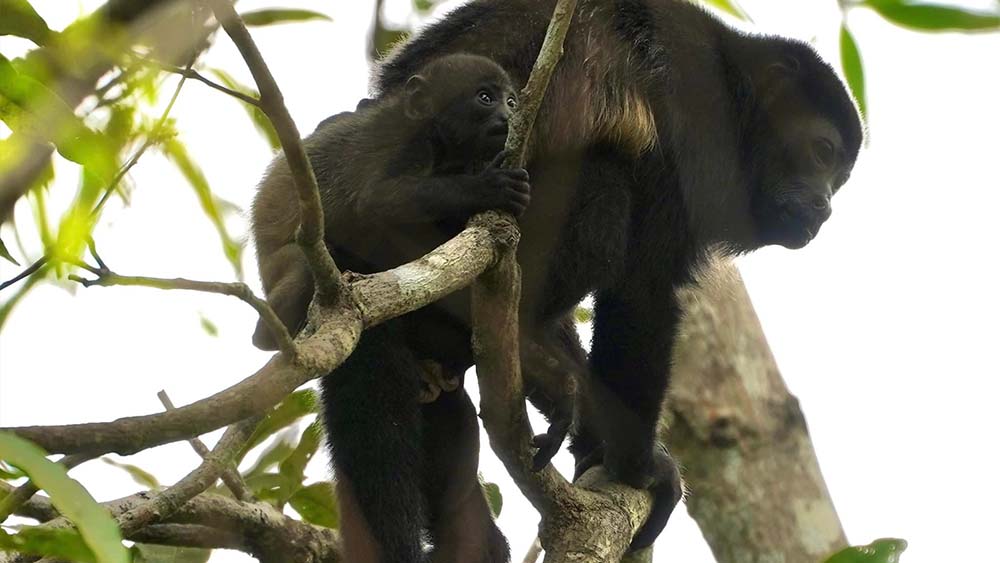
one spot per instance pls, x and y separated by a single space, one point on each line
548 444
434 381
664 481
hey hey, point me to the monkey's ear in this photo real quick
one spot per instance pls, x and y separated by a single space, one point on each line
416 98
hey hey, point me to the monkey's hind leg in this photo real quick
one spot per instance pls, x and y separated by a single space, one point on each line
374 428
461 524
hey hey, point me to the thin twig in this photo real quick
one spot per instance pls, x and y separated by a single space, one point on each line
97 257
230 476
310 235
27 272
242 291
151 139
188 72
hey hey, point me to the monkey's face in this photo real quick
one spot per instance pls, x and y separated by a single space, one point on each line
804 163
475 122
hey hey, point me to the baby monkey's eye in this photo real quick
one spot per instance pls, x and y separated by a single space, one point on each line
485 97
512 102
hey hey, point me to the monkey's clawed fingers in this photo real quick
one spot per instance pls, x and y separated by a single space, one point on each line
667 490
548 444
434 381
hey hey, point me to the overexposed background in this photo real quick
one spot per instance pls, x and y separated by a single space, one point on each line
885 326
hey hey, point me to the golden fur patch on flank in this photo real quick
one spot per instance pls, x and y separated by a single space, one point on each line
625 120
596 100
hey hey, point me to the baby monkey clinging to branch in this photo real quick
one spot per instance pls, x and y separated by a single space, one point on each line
397 178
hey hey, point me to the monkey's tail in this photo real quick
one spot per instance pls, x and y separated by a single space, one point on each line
374 429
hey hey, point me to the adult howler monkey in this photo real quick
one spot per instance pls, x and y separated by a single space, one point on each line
664 135
397 178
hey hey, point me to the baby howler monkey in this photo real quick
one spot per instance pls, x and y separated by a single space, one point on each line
396 178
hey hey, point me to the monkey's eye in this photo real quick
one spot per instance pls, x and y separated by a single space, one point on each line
824 153
485 97
511 102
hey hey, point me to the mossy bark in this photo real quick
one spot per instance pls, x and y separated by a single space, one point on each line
754 483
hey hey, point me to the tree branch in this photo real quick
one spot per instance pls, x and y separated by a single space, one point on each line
265 533
523 120
27 272
153 138
310 236
107 278
192 535
230 476
166 502
331 337
188 72
757 490
595 519
495 298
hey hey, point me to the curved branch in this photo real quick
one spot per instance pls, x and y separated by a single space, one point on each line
379 297
107 278
329 287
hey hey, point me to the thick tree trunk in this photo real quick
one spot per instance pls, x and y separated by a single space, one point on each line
755 486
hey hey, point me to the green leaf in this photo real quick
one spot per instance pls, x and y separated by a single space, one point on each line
8 473
317 504
730 7
64 544
21 99
583 314
933 17
5 254
271 17
17 17
12 301
271 456
209 327
139 475
148 553
493 497
96 526
294 466
177 153
854 70
885 550
257 116
294 407
274 488
424 6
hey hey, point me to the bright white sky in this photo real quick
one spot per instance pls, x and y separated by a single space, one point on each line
885 326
